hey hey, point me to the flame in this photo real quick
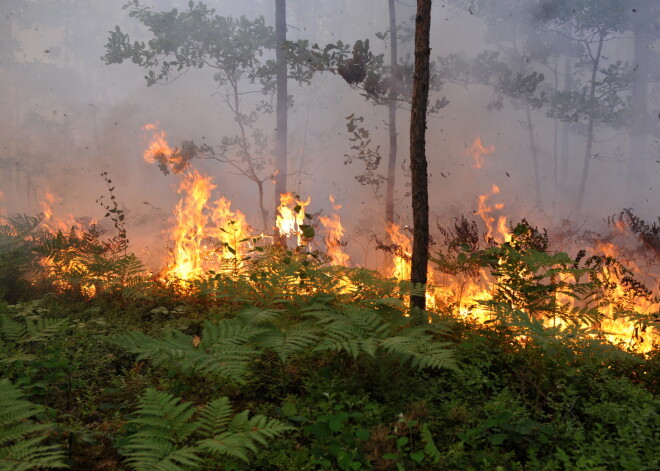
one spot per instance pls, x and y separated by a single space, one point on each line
401 260
335 231
68 263
212 236
484 211
207 236
158 144
477 151
291 215
159 151
190 225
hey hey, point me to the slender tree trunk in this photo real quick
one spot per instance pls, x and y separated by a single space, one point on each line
555 142
418 165
639 111
251 173
282 103
394 74
590 125
535 154
565 131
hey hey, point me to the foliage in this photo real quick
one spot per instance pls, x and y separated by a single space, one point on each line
146 382
165 436
23 440
18 235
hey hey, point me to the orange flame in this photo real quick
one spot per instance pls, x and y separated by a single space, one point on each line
335 231
157 145
484 211
189 231
291 215
477 151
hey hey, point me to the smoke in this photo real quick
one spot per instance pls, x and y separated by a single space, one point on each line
68 116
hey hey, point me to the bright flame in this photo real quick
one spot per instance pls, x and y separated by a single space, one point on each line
484 211
190 225
158 144
477 151
335 232
291 215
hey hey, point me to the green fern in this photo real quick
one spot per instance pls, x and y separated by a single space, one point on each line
239 436
416 345
226 349
170 435
20 331
163 429
22 446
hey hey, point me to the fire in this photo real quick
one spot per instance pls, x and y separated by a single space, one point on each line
157 145
207 236
291 215
400 265
159 151
477 151
335 232
191 222
210 236
68 264
484 211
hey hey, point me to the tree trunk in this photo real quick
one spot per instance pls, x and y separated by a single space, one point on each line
639 118
418 165
590 125
535 154
394 73
282 103
565 133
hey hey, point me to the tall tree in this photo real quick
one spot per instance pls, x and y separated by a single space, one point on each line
281 164
418 164
393 95
232 47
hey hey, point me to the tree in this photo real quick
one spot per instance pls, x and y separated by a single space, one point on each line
232 47
418 164
393 95
281 167
599 98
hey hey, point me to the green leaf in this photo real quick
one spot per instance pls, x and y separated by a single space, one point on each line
417 456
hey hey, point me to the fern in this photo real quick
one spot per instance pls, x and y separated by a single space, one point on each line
18 333
289 341
419 347
163 428
237 437
226 349
172 435
22 446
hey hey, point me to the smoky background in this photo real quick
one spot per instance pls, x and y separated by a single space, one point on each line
67 116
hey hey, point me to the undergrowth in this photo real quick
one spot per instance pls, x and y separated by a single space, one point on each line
292 364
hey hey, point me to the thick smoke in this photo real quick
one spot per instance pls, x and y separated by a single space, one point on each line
67 116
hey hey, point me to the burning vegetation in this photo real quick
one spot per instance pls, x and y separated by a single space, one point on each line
267 331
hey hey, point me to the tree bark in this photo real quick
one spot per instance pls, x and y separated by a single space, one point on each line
394 73
418 164
591 124
535 155
639 111
282 103
565 132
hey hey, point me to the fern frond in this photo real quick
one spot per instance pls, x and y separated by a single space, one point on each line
21 439
291 341
417 346
163 429
241 435
225 349
258 316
